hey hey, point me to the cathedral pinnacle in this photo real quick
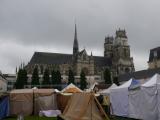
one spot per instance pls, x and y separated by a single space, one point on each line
75 44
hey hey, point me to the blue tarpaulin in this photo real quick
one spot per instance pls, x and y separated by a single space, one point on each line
4 107
134 84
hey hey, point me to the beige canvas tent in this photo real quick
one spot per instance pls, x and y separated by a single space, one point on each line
71 88
84 106
21 102
62 100
64 96
44 99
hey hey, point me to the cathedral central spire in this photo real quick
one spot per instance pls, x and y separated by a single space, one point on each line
75 44
75 34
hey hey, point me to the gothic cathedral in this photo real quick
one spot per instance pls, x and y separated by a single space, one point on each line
116 57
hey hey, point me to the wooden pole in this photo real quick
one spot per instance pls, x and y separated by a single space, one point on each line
101 108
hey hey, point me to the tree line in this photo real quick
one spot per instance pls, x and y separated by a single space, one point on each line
55 79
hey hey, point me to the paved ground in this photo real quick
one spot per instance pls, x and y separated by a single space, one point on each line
121 118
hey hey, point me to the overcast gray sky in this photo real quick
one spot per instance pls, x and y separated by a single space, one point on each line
48 26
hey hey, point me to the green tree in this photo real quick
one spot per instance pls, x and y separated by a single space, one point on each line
107 76
21 79
70 77
115 80
25 78
59 78
46 80
54 77
83 83
19 83
35 77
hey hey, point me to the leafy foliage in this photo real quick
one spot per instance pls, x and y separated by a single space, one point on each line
56 79
59 78
83 83
107 76
35 77
71 77
46 80
21 79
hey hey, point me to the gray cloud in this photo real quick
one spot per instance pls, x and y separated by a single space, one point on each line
48 25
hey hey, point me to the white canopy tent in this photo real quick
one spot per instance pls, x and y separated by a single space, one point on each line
135 102
150 98
158 97
107 91
119 99
141 102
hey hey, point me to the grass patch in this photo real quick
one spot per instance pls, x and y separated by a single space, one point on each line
33 118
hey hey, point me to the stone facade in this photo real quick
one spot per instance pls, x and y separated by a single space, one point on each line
11 80
154 58
3 83
119 51
116 58
85 63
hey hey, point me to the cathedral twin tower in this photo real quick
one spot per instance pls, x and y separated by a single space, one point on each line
118 50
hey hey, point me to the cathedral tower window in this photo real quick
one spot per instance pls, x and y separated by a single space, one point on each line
127 70
155 53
